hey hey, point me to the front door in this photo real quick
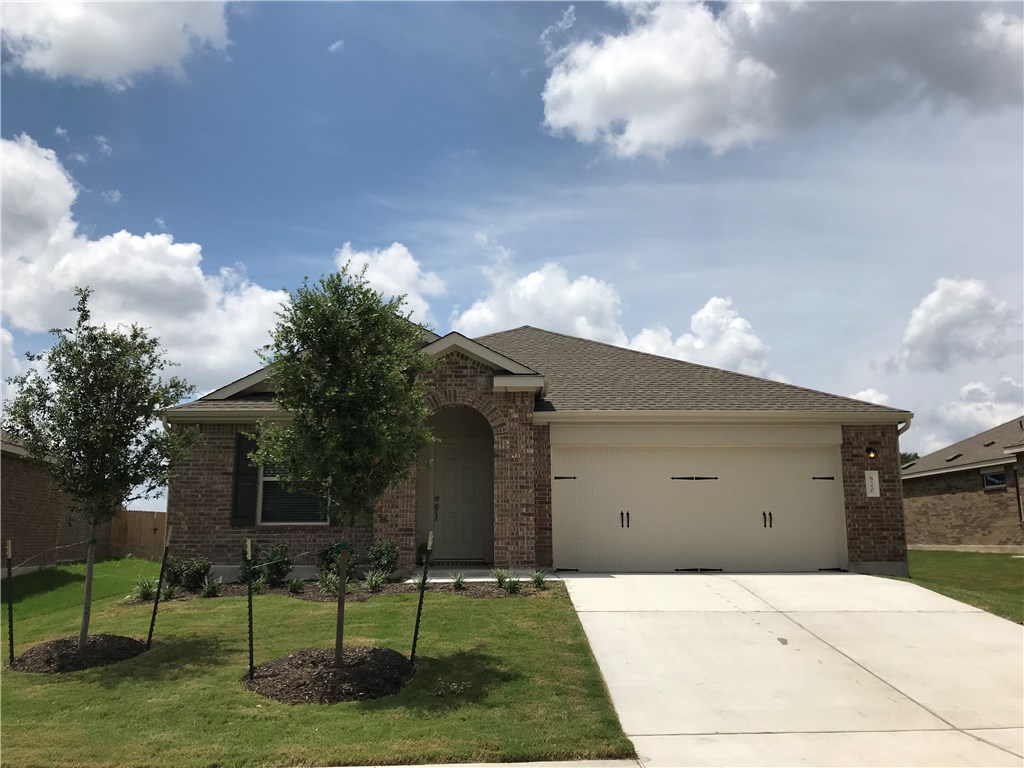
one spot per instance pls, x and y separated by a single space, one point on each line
463 522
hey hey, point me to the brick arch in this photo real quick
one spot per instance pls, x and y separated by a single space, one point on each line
482 404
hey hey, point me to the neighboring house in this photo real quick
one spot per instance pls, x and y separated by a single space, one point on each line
37 517
968 493
555 451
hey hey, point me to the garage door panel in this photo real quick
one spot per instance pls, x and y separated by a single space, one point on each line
686 523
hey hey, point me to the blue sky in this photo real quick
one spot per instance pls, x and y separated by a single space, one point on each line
830 194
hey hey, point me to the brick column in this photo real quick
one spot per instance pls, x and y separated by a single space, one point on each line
875 535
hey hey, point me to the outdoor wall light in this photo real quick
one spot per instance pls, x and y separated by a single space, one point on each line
870 452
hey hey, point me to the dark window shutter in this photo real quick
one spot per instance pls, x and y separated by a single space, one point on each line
247 477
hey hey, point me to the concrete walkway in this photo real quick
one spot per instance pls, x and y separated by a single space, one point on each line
823 670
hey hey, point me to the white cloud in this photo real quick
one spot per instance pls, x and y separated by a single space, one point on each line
961 321
159 221
209 323
872 395
682 74
586 306
112 196
103 145
546 298
79 158
395 272
10 365
110 43
720 338
62 132
978 407
336 46
564 24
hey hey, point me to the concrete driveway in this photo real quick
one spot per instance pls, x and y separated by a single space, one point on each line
823 670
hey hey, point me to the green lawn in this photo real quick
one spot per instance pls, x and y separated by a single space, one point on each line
992 582
506 680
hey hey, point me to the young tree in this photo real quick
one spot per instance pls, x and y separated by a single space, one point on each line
89 409
345 363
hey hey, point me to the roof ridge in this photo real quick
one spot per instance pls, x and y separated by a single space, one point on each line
678 361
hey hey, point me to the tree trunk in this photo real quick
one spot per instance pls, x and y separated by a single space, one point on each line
83 633
339 632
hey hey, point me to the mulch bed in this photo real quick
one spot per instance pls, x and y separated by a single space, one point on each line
312 593
62 655
308 676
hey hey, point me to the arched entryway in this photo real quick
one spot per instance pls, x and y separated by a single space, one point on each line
455 488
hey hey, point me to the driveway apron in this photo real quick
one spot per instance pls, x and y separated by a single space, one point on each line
803 669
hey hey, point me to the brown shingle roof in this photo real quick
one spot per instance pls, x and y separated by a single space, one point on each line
988 446
589 375
261 404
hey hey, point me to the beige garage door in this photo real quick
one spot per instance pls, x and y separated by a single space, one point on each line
732 509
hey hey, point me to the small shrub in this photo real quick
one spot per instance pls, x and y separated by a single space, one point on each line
419 581
212 588
540 579
296 586
459 582
272 564
259 585
501 576
513 585
169 591
327 560
375 580
189 573
384 556
329 583
145 590
275 564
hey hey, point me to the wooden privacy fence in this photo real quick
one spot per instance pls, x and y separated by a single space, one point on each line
138 533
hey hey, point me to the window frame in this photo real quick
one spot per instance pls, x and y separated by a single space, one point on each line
259 505
985 474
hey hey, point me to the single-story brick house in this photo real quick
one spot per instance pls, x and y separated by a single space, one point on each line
36 516
559 452
968 493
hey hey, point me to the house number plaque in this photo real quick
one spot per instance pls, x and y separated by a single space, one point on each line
871 483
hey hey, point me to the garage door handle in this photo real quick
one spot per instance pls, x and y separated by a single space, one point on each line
627 518
622 519
769 519
764 519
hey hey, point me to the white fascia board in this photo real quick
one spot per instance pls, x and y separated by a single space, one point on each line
959 468
17 450
523 382
718 417
1013 450
237 386
476 351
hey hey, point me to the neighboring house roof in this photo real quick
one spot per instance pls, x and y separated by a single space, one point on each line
10 444
585 375
986 449
578 376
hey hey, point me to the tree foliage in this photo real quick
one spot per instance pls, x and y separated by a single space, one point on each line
89 409
908 456
345 363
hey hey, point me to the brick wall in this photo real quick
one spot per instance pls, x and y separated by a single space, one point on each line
542 493
876 541
199 509
459 380
953 508
37 517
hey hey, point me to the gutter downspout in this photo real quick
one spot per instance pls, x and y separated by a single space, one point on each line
905 427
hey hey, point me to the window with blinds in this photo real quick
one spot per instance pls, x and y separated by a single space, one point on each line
280 506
